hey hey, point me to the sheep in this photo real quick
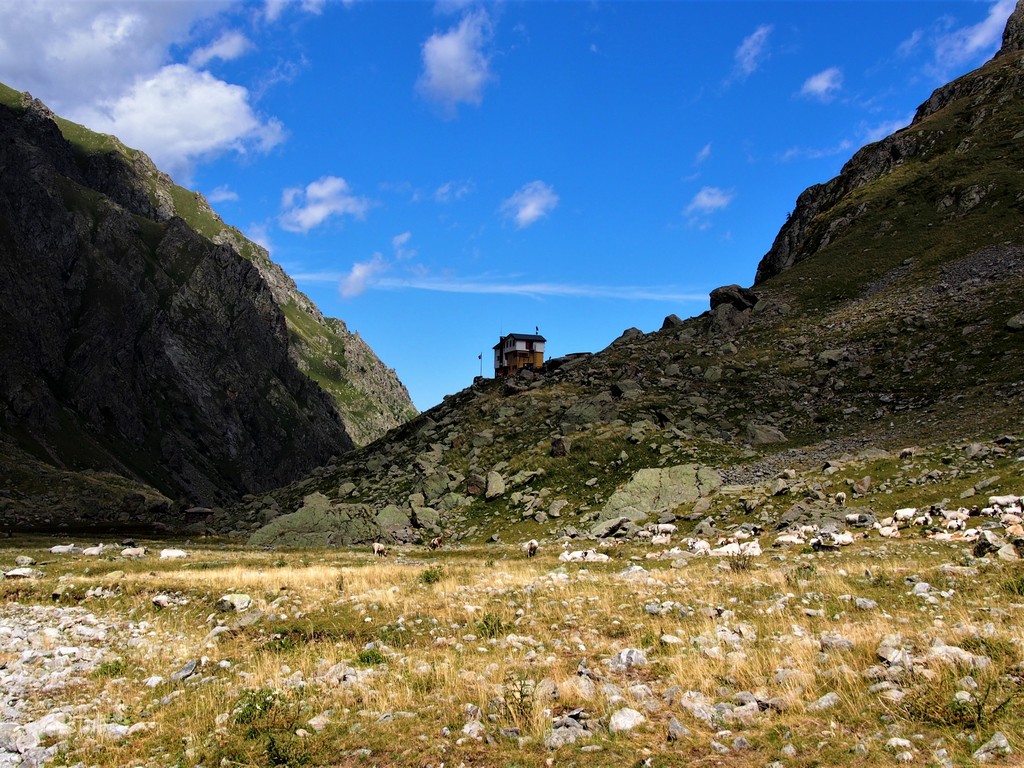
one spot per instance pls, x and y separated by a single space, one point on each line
435 543
791 538
1003 501
904 515
661 540
665 528
841 498
584 556
531 547
923 521
62 549
133 552
888 531
698 546
94 551
379 550
173 554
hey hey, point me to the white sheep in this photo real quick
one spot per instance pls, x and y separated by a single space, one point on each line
904 515
134 552
661 540
173 554
379 550
531 547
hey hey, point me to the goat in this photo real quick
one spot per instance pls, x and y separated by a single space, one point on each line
379 550
531 547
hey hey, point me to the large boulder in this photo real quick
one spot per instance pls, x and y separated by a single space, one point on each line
320 523
654 491
734 296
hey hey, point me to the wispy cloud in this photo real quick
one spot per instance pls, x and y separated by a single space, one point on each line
881 130
227 47
964 45
510 287
221 194
531 202
356 281
327 197
708 200
273 9
400 245
824 85
456 66
752 52
816 153
452 190
703 155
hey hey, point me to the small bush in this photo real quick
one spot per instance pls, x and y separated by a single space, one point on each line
491 626
741 562
254 704
432 575
112 668
519 696
370 657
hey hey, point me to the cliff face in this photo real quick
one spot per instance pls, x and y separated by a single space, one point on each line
131 342
959 120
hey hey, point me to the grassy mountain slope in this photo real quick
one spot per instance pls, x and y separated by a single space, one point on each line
878 320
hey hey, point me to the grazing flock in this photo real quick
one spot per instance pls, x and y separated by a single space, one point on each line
977 525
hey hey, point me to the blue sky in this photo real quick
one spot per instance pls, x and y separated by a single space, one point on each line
436 174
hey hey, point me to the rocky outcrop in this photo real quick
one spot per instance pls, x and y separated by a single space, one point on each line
823 212
120 331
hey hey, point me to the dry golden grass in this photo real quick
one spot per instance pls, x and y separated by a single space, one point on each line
352 653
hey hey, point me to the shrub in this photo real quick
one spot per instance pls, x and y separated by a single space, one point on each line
432 575
491 626
370 657
254 704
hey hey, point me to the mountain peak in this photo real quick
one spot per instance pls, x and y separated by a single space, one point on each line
1013 35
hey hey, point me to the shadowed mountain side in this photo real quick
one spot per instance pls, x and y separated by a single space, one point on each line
141 336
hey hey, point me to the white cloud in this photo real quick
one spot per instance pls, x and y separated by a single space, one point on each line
104 64
965 45
752 51
357 280
532 202
880 131
708 200
704 154
824 85
72 54
179 116
309 207
273 9
227 47
222 194
400 245
455 65
816 153
452 190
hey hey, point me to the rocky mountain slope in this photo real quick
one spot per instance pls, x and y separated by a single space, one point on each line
886 315
124 387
